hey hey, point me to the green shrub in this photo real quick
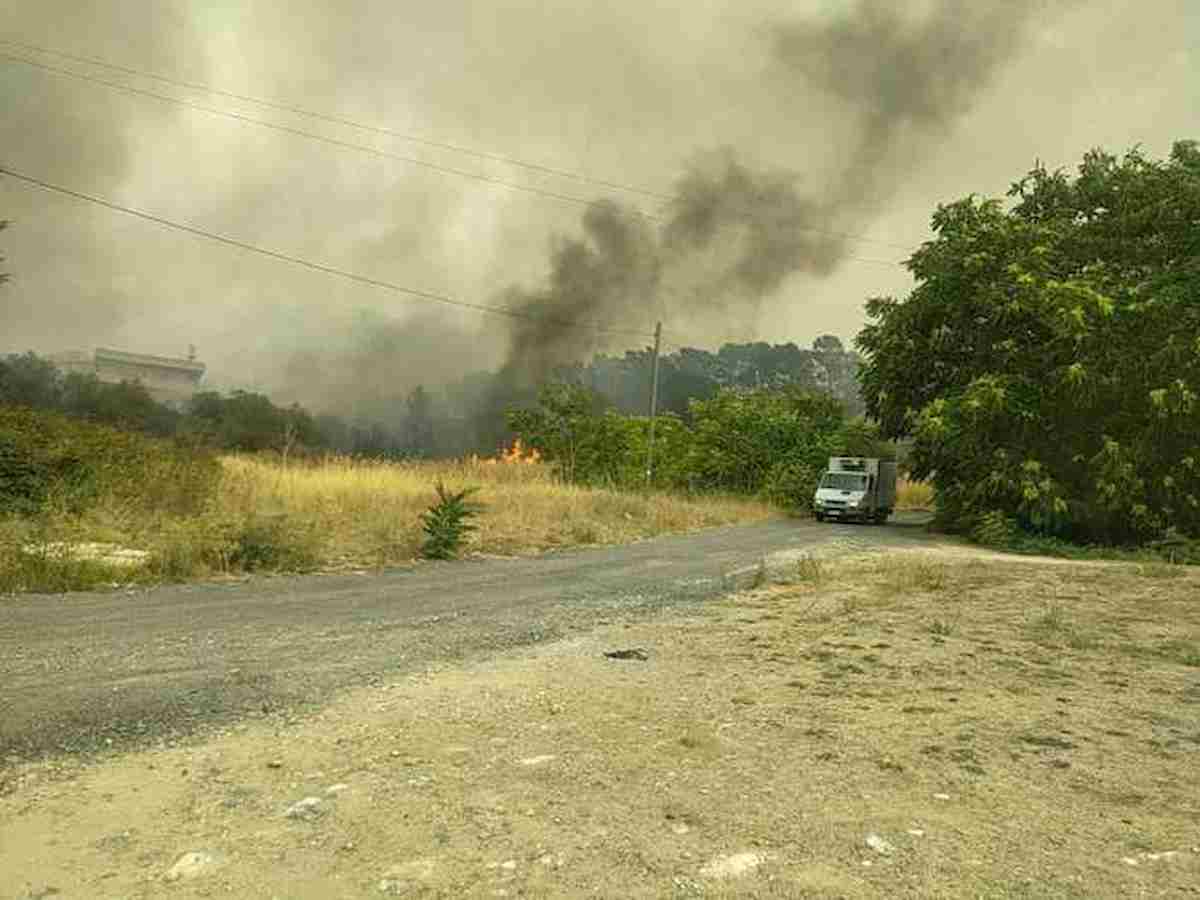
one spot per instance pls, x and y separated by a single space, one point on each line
274 543
446 524
791 485
48 459
995 529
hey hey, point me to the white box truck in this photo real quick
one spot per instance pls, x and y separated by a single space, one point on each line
856 488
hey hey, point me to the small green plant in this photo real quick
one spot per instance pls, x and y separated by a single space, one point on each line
938 628
912 573
1054 628
446 523
994 529
1051 621
761 575
810 570
274 543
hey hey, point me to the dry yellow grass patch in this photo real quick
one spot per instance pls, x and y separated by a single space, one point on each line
914 495
368 512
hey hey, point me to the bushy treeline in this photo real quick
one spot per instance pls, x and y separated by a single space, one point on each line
689 374
769 441
1047 364
470 415
239 420
466 417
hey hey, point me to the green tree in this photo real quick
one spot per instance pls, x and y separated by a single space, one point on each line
1047 364
126 405
758 440
28 380
248 421
567 429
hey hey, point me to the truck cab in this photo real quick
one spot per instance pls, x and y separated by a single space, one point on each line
855 488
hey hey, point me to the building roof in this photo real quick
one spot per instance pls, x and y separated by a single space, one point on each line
105 354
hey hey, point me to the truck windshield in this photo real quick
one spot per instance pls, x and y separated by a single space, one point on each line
844 481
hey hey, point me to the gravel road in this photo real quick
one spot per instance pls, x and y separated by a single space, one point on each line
88 673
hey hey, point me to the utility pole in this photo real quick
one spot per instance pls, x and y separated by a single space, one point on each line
653 404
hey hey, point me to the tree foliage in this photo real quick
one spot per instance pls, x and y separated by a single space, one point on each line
770 441
243 420
1047 364
47 458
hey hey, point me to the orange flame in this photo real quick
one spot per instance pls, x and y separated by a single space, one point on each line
518 454
515 454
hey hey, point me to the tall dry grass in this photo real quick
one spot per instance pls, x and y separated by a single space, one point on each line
914 495
368 513
341 513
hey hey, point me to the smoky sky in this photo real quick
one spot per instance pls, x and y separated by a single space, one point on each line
733 236
777 127
907 81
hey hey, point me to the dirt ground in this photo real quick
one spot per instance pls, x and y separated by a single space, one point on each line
920 724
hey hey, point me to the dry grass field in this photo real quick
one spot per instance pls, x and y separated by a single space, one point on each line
339 513
922 725
367 513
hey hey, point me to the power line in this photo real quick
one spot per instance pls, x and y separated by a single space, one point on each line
308 264
342 120
299 132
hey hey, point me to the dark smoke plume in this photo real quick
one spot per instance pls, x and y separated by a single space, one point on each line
907 81
729 241
734 236
609 278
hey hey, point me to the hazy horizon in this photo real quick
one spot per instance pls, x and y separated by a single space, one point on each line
779 127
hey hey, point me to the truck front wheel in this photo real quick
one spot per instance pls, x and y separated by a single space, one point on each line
820 517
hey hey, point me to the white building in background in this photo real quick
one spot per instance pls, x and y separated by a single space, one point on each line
170 380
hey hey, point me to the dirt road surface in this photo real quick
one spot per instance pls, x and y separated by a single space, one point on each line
884 715
87 673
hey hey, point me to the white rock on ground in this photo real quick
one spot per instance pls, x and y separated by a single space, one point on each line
308 808
112 554
879 845
537 760
404 877
191 865
733 866
1149 857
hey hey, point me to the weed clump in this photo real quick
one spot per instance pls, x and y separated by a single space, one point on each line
914 574
446 523
810 570
274 543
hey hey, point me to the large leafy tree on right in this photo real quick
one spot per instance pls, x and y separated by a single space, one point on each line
1047 363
